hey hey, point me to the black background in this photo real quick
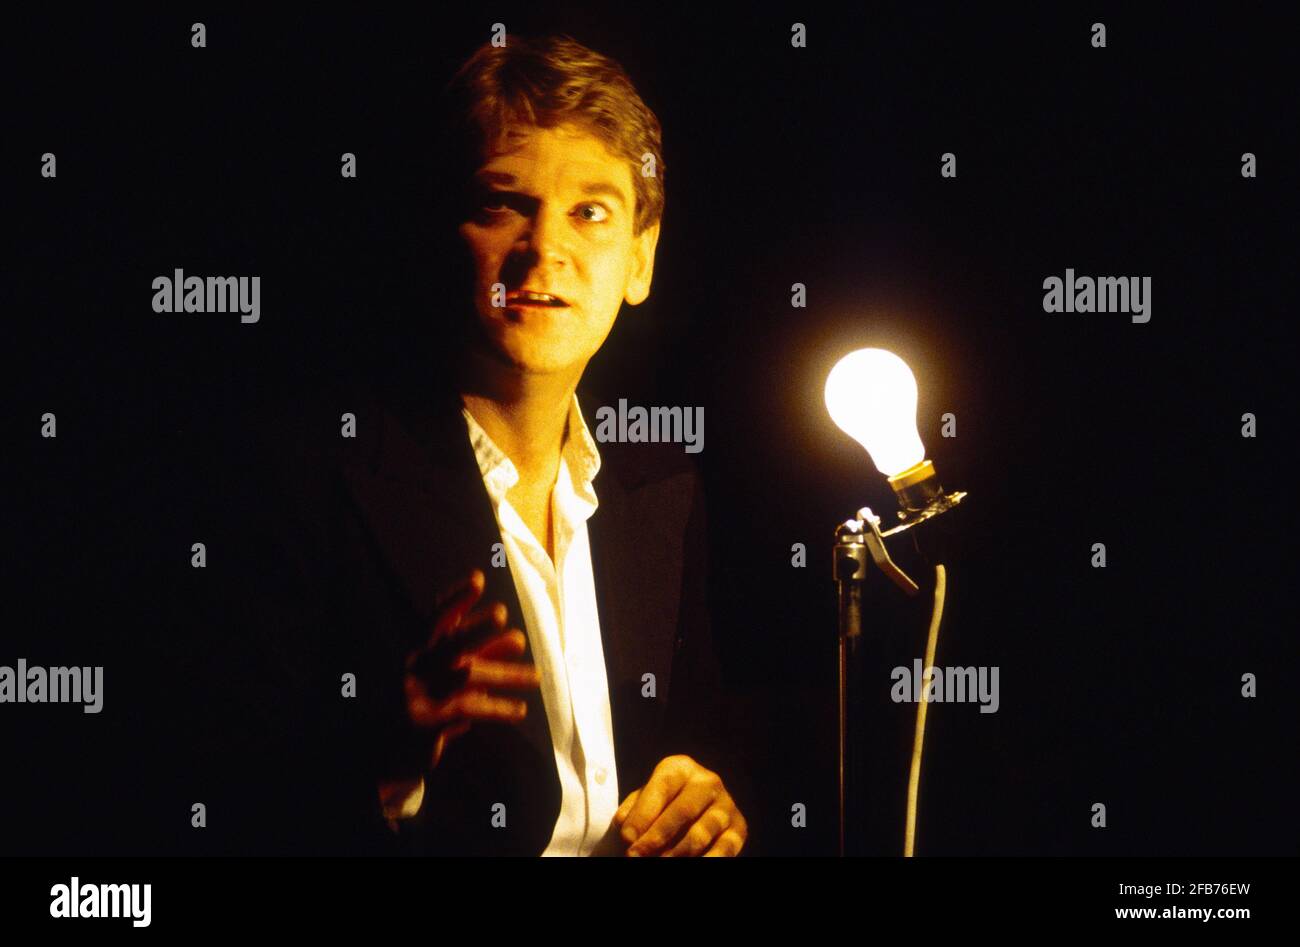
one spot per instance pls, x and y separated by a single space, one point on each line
819 165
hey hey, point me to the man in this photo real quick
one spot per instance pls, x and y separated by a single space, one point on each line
400 558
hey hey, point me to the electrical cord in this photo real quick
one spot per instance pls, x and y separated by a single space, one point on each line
927 673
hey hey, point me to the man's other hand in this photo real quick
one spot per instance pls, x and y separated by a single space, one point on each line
450 681
683 810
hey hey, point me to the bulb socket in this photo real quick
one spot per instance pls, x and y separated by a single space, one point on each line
916 487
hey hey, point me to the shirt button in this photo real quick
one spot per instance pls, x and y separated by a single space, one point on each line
600 775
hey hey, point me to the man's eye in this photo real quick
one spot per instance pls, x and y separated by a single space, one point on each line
593 213
492 203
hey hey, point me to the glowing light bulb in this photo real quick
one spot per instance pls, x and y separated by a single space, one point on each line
871 395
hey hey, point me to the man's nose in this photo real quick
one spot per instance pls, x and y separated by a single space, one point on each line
543 237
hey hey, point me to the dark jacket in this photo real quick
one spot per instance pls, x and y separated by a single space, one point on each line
328 563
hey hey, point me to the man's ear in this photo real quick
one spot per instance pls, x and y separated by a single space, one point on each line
643 265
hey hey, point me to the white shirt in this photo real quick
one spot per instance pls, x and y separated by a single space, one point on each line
563 627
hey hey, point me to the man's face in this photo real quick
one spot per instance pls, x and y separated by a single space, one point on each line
553 214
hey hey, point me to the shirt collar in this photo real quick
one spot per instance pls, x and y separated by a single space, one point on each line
579 455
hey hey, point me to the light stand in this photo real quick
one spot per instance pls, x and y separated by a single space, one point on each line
857 542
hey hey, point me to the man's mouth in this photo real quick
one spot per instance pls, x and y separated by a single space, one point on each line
527 297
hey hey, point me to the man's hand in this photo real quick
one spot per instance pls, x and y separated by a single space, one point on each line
449 681
682 810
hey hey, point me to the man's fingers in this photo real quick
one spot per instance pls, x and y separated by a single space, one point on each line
728 845
440 665
426 711
626 806
480 705
510 644
472 579
489 619
678 816
665 782
700 836
453 605
437 672
484 673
